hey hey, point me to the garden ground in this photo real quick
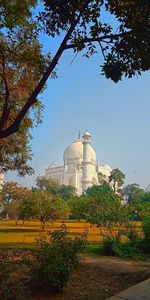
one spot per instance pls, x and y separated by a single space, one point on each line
96 277
100 277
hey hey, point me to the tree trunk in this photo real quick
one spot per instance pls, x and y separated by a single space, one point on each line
33 98
43 225
7 216
114 186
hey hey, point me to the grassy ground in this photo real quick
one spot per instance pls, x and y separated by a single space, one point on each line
96 275
25 235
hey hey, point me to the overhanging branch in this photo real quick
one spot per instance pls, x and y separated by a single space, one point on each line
104 38
33 98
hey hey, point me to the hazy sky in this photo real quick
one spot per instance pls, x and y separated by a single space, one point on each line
117 116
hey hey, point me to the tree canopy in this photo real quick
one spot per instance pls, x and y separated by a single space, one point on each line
21 67
116 178
104 209
98 189
13 196
54 188
124 44
132 192
46 207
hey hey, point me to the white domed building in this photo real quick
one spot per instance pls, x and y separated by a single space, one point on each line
79 169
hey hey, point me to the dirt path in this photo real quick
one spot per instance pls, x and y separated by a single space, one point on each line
98 278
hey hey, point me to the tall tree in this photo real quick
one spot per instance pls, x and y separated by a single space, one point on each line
48 185
46 207
116 178
12 191
12 196
54 188
132 192
125 47
104 209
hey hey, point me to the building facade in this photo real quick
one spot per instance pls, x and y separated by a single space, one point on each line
80 169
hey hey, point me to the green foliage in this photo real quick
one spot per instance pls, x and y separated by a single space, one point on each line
141 207
123 249
22 64
48 185
10 12
54 188
96 190
145 243
125 51
117 179
130 248
56 260
107 248
145 197
105 209
101 178
13 197
78 206
14 280
46 207
67 192
132 192
135 245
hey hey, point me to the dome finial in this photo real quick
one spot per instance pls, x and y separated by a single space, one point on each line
86 135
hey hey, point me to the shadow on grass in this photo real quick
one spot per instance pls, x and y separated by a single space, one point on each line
13 245
93 247
16 230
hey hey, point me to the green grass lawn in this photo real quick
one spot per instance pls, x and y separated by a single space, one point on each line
24 235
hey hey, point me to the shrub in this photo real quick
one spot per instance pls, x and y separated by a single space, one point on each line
14 280
122 249
145 243
108 246
56 260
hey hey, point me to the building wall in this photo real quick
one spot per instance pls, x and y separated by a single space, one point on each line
55 173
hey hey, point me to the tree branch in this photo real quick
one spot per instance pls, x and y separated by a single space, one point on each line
33 98
6 110
110 37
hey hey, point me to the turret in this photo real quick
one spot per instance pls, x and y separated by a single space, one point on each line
89 164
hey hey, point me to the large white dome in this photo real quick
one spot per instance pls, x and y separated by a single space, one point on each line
75 152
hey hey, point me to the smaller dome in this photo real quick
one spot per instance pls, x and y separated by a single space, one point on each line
147 189
107 167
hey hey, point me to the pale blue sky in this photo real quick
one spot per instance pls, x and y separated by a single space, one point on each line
117 116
